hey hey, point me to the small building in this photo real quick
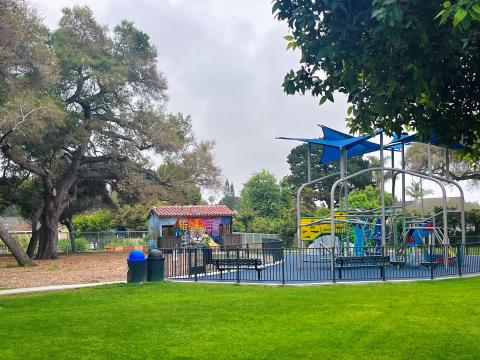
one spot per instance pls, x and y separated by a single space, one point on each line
190 221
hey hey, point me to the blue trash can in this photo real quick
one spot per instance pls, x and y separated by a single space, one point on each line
137 267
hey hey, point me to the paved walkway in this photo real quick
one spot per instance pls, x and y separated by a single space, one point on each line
54 287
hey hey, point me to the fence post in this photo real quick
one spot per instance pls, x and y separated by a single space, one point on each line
195 263
383 263
459 258
283 266
238 265
431 261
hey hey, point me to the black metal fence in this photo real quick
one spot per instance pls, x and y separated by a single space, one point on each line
276 264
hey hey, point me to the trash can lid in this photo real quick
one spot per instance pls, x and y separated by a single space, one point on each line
155 254
136 255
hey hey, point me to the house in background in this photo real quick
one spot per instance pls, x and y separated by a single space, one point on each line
183 222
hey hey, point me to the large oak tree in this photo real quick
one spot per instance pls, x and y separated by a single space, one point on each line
96 121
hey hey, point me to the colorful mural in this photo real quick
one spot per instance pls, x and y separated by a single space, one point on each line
194 231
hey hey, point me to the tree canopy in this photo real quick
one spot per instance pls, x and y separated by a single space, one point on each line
86 104
399 66
298 162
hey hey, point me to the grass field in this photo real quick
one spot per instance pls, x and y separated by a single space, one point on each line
422 320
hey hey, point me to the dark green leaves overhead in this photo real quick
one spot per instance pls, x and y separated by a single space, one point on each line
398 65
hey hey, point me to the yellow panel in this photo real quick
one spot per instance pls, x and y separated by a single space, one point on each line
311 232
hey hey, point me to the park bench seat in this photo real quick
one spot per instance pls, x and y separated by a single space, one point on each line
233 263
345 262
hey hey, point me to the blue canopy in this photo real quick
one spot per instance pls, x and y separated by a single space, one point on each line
334 141
407 139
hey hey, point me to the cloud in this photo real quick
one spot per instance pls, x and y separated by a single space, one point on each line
225 61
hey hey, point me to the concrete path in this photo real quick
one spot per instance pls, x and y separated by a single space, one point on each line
53 288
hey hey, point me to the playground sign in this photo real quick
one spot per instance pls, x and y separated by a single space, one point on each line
313 227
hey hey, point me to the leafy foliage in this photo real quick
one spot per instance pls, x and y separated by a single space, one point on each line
298 162
100 220
398 66
368 198
416 190
459 168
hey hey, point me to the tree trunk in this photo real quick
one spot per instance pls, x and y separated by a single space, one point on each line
71 233
32 245
47 247
15 248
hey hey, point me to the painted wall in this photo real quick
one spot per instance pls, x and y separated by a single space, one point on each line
191 226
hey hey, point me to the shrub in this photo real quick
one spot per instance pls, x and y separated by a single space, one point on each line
65 246
100 220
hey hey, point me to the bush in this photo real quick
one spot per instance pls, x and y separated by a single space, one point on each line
65 246
81 244
100 220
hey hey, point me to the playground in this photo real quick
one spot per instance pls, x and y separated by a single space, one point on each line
351 244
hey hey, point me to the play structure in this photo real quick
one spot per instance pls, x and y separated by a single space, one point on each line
345 244
362 237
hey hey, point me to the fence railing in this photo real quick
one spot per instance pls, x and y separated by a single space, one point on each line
290 265
253 238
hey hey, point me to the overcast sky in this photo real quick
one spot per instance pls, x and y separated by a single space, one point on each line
225 61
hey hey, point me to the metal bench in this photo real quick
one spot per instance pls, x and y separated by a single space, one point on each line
346 262
233 264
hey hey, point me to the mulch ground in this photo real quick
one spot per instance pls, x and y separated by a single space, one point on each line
67 269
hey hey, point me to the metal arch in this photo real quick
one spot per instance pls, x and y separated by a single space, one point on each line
462 199
332 192
299 192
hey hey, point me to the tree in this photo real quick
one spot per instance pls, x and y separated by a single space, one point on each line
416 190
25 65
297 160
368 198
398 66
262 194
95 121
99 220
229 198
459 168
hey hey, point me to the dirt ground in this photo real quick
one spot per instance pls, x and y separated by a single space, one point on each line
67 269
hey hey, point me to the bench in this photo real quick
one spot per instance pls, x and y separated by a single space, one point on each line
345 262
233 264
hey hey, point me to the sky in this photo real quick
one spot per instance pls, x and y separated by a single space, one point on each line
225 61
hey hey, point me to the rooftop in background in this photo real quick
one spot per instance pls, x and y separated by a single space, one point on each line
430 203
191 211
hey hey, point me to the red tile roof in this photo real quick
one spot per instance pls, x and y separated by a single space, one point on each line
191 210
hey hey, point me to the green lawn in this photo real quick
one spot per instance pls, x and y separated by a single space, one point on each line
422 320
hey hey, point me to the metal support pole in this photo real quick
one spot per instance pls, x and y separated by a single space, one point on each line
430 160
342 172
404 210
382 189
447 164
459 258
283 266
309 162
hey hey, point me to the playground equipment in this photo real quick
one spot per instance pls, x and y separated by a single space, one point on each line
361 233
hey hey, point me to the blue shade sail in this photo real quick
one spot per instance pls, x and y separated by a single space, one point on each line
333 141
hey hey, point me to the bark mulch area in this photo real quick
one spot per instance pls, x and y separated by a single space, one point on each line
67 269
